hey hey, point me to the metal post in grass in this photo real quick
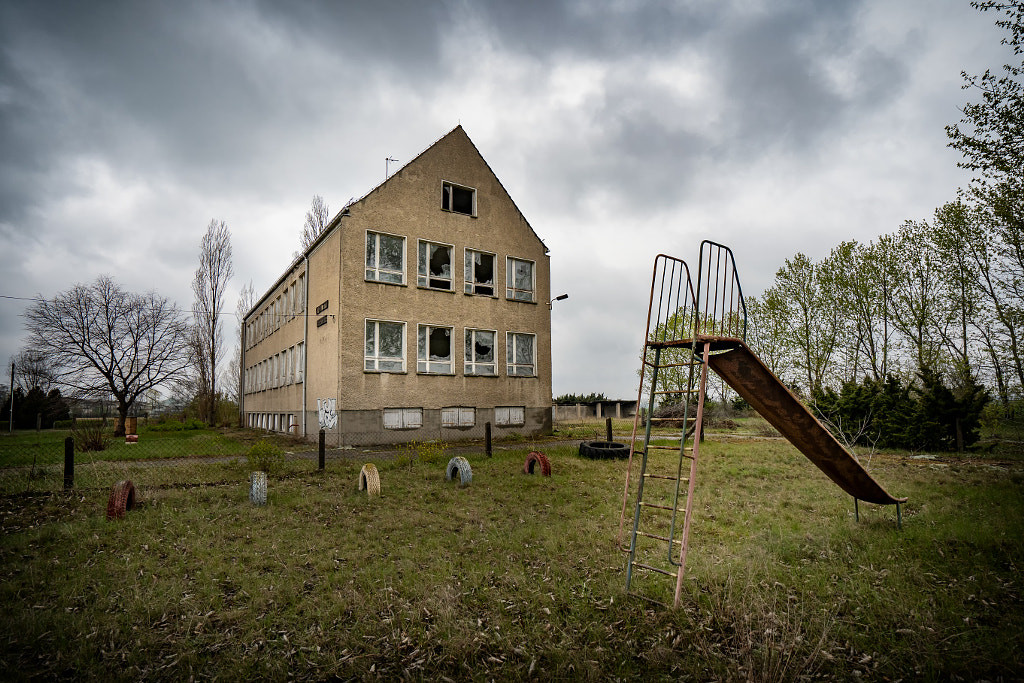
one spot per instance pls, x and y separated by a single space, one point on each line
69 463
323 448
487 437
608 428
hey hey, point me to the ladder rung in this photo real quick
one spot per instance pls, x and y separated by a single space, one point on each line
663 476
668 392
692 418
666 539
671 448
661 507
654 569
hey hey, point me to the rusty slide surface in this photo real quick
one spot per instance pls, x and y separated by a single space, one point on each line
748 376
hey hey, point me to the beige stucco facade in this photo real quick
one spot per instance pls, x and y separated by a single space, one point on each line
453 372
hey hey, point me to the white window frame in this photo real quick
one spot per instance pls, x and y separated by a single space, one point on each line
512 293
373 273
372 361
514 366
448 198
470 273
458 416
473 367
402 418
425 279
299 361
426 366
510 416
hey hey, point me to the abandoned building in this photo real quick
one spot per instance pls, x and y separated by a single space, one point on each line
421 312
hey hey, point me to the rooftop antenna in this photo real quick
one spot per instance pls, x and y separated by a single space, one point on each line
387 166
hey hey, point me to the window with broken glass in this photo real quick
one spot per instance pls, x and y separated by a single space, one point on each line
519 352
434 350
435 266
480 354
385 346
479 273
385 258
458 199
519 280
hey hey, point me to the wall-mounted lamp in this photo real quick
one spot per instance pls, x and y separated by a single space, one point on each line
561 297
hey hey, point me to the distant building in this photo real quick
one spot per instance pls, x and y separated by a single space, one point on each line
422 312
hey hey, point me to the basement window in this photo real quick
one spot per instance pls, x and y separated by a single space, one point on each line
434 350
510 416
480 353
458 417
479 273
403 418
435 266
458 199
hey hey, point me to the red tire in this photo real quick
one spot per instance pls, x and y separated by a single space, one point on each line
122 498
533 459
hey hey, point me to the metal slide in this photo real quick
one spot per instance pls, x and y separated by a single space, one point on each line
747 375
690 331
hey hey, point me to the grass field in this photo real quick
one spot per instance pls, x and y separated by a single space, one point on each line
518 577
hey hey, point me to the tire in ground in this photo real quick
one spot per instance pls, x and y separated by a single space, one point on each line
369 480
537 458
122 498
461 466
603 450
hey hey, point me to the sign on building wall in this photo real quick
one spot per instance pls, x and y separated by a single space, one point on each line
327 407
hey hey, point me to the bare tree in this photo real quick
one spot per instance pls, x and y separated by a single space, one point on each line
317 219
105 341
33 369
209 285
232 378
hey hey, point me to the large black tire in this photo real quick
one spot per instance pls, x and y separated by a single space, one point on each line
603 450
460 465
369 480
122 498
535 458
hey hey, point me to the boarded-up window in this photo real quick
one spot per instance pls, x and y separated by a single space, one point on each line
458 417
403 418
510 416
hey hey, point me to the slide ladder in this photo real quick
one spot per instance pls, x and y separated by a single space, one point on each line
674 371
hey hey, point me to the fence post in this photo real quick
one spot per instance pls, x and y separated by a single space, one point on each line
487 437
608 428
323 448
69 463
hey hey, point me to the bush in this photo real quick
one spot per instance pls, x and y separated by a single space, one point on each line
427 452
265 457
89 436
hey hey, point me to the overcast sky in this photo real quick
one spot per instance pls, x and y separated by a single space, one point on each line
621 130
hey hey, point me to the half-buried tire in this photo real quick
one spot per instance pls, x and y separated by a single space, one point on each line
369 480
122 498
459 465
603 450
537 458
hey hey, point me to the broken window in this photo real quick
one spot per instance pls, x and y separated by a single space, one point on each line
403 418
480 356
510 416
519 352
385 346
479 273
385 258
435 266
458 199
458 417
519 280
434 350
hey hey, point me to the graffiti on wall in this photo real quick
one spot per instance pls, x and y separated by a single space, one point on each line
327 407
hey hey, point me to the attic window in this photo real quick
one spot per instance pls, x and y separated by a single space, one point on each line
458 199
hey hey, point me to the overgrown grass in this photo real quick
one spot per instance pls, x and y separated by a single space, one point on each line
518 576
